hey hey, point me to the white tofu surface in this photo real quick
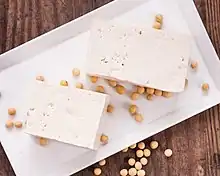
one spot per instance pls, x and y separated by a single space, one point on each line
140 55
65 114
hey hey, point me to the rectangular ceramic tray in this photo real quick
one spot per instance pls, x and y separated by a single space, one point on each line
55 54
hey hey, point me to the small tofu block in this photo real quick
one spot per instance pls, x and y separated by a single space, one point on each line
66 114
139 55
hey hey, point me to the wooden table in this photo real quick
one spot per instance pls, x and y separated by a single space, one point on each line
195 142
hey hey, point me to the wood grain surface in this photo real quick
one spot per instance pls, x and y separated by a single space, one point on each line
195 142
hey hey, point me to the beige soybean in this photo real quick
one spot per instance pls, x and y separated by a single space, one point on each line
159 18
102 162
141 145
168 153
104 139
158 92
9 124
144 161
147 152
97 171
40 78
112 83
154 144
79 85
43 141
131 162
120 89
138 118
139 153
138 165
205 87
167 94
194 65
100 89
94 79
149 97
18 124
75 72
125 150
150 91
133 146
157 25
64 83
133 109
140 90
141 173
110 108
11 111
132 172
134 95
124 172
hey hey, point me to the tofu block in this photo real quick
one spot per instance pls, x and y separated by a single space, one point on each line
139 55
66 114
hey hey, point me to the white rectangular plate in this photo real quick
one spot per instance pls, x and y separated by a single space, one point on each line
55 54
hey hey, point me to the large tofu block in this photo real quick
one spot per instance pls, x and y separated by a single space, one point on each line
139 55
65 114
